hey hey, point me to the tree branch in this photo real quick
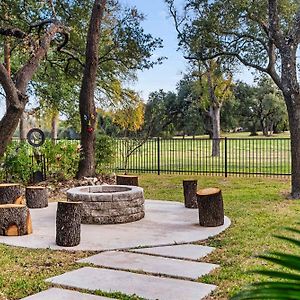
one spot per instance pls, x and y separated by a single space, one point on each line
9 88
15 32
25 74
275 33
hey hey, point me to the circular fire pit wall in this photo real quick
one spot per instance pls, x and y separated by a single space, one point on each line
109 204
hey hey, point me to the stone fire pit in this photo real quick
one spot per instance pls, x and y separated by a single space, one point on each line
109 204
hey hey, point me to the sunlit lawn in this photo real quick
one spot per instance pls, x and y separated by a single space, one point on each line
258 208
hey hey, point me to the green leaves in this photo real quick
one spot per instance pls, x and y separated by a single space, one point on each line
286 284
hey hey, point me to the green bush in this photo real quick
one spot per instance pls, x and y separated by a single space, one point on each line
62 158
17 163
105 152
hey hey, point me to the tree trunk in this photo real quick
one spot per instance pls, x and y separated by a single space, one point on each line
54 126
215 117
211 209
190 191
15 220
7 63
87 166
23 127
294 121
11 193
15 91
68 221
290 89
127 180
36 196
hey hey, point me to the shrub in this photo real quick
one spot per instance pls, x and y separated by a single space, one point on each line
17 163
105 152
62 158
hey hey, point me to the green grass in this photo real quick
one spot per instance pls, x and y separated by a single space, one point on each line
244 155
258 208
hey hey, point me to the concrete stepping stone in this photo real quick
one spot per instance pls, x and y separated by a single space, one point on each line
187 251
61 294
146 286
150 264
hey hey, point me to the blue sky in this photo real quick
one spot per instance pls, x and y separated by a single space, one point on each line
168 74
159 24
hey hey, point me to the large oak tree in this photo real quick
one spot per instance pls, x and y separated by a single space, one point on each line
261 34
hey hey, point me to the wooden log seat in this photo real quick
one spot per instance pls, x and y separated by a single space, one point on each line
68 222
36 196
210 205
15 220
127 180
11 193
189 191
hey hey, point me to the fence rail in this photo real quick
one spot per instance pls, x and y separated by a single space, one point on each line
238 156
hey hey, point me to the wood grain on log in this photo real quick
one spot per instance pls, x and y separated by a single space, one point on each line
15 220
127 180
189 191
36 196
210 205
10 193
68 221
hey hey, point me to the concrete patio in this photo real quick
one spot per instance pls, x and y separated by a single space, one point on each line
165 223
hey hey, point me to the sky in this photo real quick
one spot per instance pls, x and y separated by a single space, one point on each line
169 73
159 24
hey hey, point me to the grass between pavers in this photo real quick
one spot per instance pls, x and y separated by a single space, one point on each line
258 208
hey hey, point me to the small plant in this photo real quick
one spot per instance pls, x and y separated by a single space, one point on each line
17 163
286 284
62 158
105 151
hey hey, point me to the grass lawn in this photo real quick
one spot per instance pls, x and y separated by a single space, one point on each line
238 154
258 208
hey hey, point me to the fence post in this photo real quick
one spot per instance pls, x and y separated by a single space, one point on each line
225 158
158 156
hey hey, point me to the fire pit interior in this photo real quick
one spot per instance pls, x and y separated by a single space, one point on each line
109 204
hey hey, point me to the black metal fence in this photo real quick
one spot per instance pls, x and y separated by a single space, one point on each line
237 156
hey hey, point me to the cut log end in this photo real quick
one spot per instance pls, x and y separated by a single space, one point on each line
211 209
5 185
12 230
208 191
127 180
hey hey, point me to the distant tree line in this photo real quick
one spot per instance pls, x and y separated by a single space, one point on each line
252 108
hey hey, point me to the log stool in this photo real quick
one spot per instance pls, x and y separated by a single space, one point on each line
15 220
11 193
127 180
68 220
36 196
189 191
210 205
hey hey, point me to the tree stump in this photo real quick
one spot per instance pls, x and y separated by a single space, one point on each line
15 220
11 193
127 180
68 220
36 196
211 209
189 191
